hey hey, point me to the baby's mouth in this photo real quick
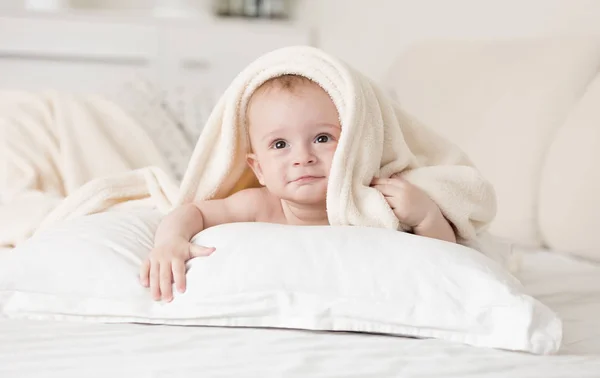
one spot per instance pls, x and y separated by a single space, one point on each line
307 179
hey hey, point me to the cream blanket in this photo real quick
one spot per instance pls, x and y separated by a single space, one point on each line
67 155
378 139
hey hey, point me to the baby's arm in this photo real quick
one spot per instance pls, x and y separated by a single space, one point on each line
172 247
436 226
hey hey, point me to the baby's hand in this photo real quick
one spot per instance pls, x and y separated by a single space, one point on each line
410 204
166 264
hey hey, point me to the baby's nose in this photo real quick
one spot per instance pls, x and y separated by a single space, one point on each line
305 162
305 157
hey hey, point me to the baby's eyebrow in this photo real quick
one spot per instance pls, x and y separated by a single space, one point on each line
271 135
336 126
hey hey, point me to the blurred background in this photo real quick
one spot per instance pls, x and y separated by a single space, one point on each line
368 34
168 61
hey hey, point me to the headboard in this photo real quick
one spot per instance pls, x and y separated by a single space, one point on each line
98 53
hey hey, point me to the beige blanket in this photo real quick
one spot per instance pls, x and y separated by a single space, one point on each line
51 144
378 139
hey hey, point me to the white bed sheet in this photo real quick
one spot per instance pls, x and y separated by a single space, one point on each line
63 349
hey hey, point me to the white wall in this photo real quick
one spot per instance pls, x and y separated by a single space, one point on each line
369 34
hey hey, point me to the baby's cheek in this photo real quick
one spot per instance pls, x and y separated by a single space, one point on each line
331 153
271 173
280 173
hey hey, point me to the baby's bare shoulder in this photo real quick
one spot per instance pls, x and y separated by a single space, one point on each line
251 198
263 203
248 205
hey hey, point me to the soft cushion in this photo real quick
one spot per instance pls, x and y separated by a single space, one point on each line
173 117
267 275
569 208
501 102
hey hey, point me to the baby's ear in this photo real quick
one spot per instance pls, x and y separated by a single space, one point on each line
254 164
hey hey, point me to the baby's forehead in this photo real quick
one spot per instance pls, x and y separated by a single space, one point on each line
259 117
290 84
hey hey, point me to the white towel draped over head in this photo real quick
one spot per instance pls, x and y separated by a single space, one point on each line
377 139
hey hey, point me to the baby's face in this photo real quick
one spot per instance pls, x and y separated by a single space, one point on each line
294 135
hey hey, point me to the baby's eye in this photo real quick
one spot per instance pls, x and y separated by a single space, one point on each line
279 144
323 138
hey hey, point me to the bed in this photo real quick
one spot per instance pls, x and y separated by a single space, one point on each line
73 349
562 272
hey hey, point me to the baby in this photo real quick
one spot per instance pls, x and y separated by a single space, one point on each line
293 129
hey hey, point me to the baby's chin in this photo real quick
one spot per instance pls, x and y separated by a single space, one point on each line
308 196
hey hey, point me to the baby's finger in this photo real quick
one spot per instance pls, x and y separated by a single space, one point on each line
145 272
381 181
200 251
154 280
396 207
389 190
393 180
166 281
391 202
179 275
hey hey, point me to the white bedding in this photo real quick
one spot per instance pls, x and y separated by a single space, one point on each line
52 349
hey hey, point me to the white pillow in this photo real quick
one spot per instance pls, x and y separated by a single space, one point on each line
502 103
268 275
569 205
